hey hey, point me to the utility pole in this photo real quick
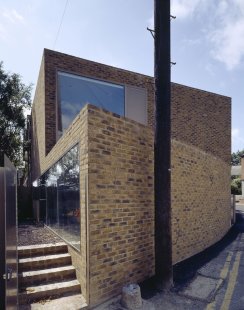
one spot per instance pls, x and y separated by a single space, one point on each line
162 144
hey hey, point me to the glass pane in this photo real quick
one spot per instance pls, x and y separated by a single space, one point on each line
42 198
50 178
68 197
63 197
75 92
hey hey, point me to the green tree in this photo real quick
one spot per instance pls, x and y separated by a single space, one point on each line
15 98
236 158
236 186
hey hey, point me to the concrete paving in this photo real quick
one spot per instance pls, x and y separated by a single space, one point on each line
202 288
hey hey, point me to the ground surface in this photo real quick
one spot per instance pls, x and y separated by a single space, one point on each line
63 303
30 233
213 279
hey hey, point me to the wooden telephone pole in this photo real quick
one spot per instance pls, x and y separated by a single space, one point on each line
162 147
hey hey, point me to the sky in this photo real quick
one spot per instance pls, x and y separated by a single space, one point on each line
207 41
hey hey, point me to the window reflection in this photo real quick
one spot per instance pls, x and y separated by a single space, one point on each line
74 92
59 192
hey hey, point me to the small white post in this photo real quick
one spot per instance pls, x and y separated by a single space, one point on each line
131 297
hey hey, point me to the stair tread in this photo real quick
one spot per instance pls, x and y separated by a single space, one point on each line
46 271
49 287
41 246
43 258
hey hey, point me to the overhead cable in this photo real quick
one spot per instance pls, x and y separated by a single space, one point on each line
60 25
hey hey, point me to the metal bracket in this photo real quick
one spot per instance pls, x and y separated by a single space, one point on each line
9 274
152 32
153 35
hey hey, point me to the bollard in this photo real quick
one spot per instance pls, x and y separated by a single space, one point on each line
131 297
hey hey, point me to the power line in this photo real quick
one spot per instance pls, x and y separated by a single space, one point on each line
61 21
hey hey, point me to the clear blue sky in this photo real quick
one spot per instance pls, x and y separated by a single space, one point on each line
207 41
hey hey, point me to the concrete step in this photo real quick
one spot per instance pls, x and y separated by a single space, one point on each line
41 249
44 262
27 278
47 291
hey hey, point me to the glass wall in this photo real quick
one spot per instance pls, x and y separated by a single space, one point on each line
74 92
59 191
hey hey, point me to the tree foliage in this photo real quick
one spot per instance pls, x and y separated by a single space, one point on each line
15 97
236 158
236 181
236 186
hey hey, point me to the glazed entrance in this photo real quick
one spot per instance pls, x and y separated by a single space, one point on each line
59 197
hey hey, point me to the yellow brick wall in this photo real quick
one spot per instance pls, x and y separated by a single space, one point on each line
120 239
38 125
201 206
121 203
202 119
200 159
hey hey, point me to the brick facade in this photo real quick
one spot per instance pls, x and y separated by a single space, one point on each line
121 203
55 61
203 120
200 165
116 166
200 217
38 126
120 216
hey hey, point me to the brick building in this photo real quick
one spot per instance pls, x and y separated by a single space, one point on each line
93 163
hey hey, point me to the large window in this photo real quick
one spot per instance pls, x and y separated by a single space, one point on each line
59 196
76 91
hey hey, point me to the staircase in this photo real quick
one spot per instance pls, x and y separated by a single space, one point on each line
46 272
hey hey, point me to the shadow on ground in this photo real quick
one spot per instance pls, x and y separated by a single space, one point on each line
185 271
